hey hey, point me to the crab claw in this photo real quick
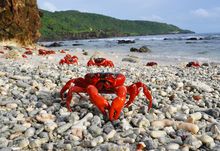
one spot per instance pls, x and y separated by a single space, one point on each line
133 90
99 101
118 103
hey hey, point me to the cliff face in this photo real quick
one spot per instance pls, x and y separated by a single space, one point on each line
19 21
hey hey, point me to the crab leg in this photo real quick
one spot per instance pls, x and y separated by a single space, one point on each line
98 100
118 103
69 97
133 91
67 86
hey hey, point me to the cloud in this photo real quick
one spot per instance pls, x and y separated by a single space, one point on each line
201 12
207 13
49 6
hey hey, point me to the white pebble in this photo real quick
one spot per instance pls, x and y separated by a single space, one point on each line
157 134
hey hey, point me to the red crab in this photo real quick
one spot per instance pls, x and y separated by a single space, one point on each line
151 64
95 83
45 52
68 59
28 52
100 62
62 51
24 56
193 64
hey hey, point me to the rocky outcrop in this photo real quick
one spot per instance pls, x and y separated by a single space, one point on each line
141 49
20 21
126 41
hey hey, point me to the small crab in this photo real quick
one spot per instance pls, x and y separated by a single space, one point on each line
193 64
151 64
95 83
100 62
46 52
68 59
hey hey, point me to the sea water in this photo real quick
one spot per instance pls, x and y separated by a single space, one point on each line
172 47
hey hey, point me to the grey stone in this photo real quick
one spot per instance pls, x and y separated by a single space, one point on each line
22 84
3 142
95 130
64 128
48 146
96 120
30 132
108 127
19 128
24 143
150 144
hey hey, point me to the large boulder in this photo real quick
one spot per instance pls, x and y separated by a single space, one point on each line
20 21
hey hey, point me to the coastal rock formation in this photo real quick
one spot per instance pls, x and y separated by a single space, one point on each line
126 41
20 21
141 49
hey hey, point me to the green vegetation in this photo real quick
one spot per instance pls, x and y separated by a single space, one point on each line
65 25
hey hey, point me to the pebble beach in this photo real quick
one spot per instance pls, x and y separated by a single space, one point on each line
185 114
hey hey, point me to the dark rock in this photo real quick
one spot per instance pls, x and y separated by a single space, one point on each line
108 127
55 44
133 49
206 64
126 41
20 21
77 44
141 49
144 49
85 53
131 60
194 38
213 112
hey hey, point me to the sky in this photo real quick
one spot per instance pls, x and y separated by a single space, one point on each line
200 16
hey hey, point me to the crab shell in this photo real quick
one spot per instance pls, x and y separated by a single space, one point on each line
100 62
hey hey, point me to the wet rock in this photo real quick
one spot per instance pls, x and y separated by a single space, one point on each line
126 41
141 49
55 44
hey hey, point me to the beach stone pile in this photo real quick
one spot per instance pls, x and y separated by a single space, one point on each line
20 21
33 117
